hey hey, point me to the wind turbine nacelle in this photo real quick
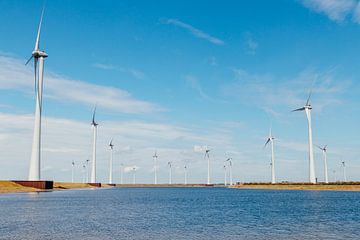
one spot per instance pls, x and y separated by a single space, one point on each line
39 53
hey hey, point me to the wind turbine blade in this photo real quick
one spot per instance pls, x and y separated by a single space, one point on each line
267 142
39 31
299 109
35 77
308 100
27 62
94 113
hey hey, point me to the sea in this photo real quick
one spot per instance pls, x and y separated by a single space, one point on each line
180 213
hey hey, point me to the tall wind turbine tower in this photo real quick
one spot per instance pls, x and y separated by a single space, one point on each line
344 170
121 173
94 125
271 140
39 56
230 170
324 151
155 157
134 175
207 155
225 176
185 174
87 169
307 108
170 173
72 171
111 145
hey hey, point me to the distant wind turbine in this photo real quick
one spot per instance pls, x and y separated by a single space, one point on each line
84 173
185 174
230 170
307 108
344 170
324 151
170 173
271 139
72 171
94 125
207 155
121 173
134 175
225 176
39 56
155 157
111 145
87 170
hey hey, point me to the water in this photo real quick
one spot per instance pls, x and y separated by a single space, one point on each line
180 213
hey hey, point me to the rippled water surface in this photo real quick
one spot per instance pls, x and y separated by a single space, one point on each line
180 213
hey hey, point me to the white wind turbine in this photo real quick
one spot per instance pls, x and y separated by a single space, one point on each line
93 170
111 145
271 139
324 151
170 173
207 155
307 108
155 157
84 173
225 176
72 171
230 170
87 169
134 175
185 174
344 170
121 173
39 56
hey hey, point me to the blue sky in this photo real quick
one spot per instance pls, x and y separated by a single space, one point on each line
178 74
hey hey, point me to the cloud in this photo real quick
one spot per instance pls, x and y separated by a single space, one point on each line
251 44
356 16
194 31
269 93
193 83
336 10
14 75
134 72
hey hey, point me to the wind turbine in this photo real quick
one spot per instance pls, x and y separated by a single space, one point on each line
94 126
84 173
155 157
271 139
225 177
111 145
72 171
185 174
208 157
170 176
134 175
324 151
344 170
87 170
121 173
230 166
39 56
307 108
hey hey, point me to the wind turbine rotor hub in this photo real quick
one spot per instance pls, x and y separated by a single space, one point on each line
39 53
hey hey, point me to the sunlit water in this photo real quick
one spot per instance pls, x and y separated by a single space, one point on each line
180 213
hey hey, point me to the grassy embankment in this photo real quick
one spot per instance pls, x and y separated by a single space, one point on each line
338 186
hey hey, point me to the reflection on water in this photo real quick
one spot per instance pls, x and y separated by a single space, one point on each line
180 213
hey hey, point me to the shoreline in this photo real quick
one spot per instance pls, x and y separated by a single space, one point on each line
12 187
351 186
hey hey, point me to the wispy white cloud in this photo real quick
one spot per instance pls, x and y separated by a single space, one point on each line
194 83
134 72
250 43
336 10
194 31
267 92
14 75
